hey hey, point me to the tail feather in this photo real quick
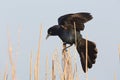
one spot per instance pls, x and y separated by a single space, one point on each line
92 53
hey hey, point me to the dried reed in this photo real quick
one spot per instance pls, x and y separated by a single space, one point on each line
31 66
5 74
75 34
115 76
10 57
119 51
66 70
37 64
46 74
57 64
86 58
53 71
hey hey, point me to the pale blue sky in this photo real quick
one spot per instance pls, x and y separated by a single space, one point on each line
29 14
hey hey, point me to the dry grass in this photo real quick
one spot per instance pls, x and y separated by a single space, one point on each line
86 58
46 74
37 63
64 68
31 65
5 74
13 68
115 76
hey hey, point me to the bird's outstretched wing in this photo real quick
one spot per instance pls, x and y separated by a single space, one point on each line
79 19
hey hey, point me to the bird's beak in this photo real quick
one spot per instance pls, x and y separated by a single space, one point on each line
47 36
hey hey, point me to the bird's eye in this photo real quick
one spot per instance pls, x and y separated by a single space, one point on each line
50 32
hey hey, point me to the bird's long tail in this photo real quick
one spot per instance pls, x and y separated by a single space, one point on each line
92 53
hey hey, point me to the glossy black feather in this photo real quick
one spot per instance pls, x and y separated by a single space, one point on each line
92 53
65 31
78 19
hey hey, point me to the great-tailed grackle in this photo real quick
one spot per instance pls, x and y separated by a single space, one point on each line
66 31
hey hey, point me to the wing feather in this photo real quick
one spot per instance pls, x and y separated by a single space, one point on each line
79 19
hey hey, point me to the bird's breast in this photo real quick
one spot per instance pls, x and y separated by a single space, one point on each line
67 36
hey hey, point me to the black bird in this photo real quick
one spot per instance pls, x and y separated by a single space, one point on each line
66 31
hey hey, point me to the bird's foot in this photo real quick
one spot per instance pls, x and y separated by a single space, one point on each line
64 50
65 47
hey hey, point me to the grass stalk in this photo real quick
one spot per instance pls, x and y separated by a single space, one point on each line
64 62
86 58
37 63
57 63
119 51
5 74
53 70
31 66
75 34
10 56
46 74
35 70
66 70
115 76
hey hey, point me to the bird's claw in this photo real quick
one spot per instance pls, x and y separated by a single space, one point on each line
64 50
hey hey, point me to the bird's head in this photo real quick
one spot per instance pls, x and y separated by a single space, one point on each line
52 31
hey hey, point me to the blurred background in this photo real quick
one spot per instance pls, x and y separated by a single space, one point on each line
22 20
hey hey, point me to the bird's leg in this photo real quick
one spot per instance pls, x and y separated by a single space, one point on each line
68 46
64 47
64 44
